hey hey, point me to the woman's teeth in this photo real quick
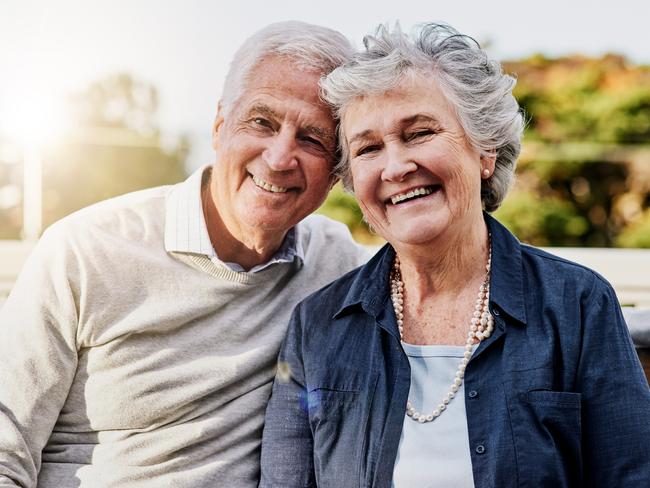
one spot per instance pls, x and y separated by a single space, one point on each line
411 194
268 186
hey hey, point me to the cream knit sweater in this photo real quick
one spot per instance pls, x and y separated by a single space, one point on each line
122 365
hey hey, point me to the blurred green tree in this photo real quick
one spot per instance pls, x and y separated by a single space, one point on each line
587 140
342 206
113 147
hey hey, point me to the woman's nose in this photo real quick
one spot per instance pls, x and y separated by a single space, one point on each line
398 165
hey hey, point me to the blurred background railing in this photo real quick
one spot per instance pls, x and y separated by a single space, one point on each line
620 266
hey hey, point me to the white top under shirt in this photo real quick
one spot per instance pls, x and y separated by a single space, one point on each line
434 454
186 231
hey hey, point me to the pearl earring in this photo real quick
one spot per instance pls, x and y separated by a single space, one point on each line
486 173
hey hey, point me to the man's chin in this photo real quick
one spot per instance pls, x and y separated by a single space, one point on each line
279 221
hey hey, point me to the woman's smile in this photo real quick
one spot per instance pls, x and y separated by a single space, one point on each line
414 194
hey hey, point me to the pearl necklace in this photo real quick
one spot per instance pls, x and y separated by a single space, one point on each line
481 327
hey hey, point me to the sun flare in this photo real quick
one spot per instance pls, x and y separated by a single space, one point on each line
34 120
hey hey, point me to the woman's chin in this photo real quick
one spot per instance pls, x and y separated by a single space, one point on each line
416 231
414 237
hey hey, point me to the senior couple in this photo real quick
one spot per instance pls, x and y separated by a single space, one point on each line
138 347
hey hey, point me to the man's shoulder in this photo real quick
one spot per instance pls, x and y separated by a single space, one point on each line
316 223
326 239
134 216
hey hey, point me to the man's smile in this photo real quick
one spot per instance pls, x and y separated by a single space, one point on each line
265 185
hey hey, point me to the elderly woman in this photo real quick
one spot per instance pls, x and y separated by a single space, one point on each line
457 356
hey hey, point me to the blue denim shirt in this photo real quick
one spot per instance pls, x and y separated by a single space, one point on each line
555 397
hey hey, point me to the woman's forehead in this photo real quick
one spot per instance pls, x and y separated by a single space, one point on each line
411 100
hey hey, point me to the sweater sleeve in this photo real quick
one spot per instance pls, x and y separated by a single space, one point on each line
616 398
287 444
38 324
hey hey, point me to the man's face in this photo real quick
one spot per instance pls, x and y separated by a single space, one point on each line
275 150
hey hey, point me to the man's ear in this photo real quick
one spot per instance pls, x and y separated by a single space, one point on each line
333 181
217 125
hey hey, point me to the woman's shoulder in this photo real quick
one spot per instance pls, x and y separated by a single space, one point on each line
359 286
548 270
332 295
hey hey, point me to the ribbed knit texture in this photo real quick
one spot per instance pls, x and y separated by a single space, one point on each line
122 365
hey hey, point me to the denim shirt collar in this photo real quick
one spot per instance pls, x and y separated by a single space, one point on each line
507 275
370 288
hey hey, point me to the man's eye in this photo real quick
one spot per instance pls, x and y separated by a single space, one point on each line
262 122
312 141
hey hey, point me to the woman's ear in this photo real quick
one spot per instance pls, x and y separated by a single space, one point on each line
488 161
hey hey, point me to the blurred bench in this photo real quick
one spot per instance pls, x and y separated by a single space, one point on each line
638 321
12 257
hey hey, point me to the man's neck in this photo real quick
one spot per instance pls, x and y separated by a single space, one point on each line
246 247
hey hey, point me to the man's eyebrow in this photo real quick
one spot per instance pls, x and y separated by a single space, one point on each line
267 111
263 109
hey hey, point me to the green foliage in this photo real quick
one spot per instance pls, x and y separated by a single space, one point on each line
636 234
116 101
602 100
342 206
542 221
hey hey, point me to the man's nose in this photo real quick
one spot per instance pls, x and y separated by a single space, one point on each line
280 154
398 164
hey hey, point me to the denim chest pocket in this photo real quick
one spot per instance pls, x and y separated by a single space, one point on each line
546 429
334 392
339 402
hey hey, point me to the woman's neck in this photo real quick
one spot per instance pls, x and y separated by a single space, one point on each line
450 262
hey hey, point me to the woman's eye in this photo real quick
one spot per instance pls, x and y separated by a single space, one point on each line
366 150
418 134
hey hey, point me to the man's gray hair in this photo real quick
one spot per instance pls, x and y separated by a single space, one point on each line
310 47
476 87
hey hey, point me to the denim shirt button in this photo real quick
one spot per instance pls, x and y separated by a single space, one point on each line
472 394
480 449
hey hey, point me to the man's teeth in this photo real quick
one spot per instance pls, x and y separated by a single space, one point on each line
413 193
268 186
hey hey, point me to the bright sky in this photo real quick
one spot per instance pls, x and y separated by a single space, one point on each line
51 47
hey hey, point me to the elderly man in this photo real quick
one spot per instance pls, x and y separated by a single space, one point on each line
138 346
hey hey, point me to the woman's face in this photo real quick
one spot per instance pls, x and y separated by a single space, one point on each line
413 171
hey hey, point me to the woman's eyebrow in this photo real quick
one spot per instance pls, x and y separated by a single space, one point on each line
422 117
360 136
406 121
